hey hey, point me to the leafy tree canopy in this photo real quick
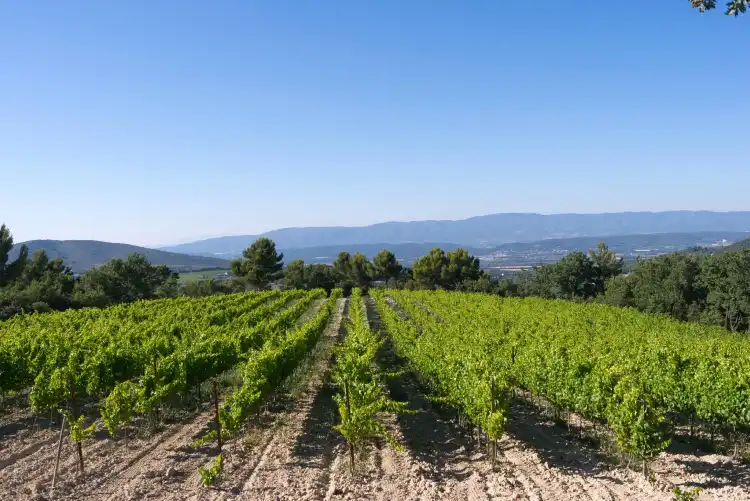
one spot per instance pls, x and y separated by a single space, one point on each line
260 263
294 275
387 266
121 281
733 7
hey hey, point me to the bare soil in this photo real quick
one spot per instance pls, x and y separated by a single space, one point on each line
292 453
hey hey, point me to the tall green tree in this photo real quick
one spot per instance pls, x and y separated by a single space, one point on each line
427 270
726 278
320 276
294 275
574 276
362 270
10 270
387 266
604 265
447 271
669 284
43 285
124 281
342 270
260 263
618 291
459 267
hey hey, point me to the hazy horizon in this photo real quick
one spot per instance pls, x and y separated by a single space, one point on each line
209 237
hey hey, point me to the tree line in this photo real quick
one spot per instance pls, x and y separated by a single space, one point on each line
35 282
689 286
261 265
710 288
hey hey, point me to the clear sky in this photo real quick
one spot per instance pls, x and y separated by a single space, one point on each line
156 122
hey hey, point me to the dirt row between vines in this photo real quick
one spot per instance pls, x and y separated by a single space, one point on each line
293 453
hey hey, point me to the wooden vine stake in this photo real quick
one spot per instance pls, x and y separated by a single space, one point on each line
218 422
645 462
59 449
349 413
79 447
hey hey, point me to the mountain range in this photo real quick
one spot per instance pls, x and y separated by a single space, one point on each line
482 231
520 239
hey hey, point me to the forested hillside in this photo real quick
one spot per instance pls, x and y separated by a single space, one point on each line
82 255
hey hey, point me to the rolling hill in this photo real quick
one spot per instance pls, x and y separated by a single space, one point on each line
82 255
483 231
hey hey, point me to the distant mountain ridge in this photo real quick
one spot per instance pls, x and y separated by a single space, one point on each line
82 255
483 231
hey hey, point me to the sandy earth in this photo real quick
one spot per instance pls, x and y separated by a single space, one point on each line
293 454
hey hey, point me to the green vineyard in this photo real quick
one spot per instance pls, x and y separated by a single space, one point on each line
484 362
137 358
639 374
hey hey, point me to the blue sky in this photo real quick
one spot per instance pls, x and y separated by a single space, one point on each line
161 122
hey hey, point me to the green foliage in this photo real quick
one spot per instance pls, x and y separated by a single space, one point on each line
630 370
726 277
734 7
123 281
460 361
427 270
163 347
352 270
77 431
604 266
120 406
618 292
669 284
319 276
260 263
635 416
362 395
204 288
210 474
10 271
265 369
387 266
484 284
362 270
687 495
294 275
31 284
575 276
438 269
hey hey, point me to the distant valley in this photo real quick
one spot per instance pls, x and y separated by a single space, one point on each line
533 253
